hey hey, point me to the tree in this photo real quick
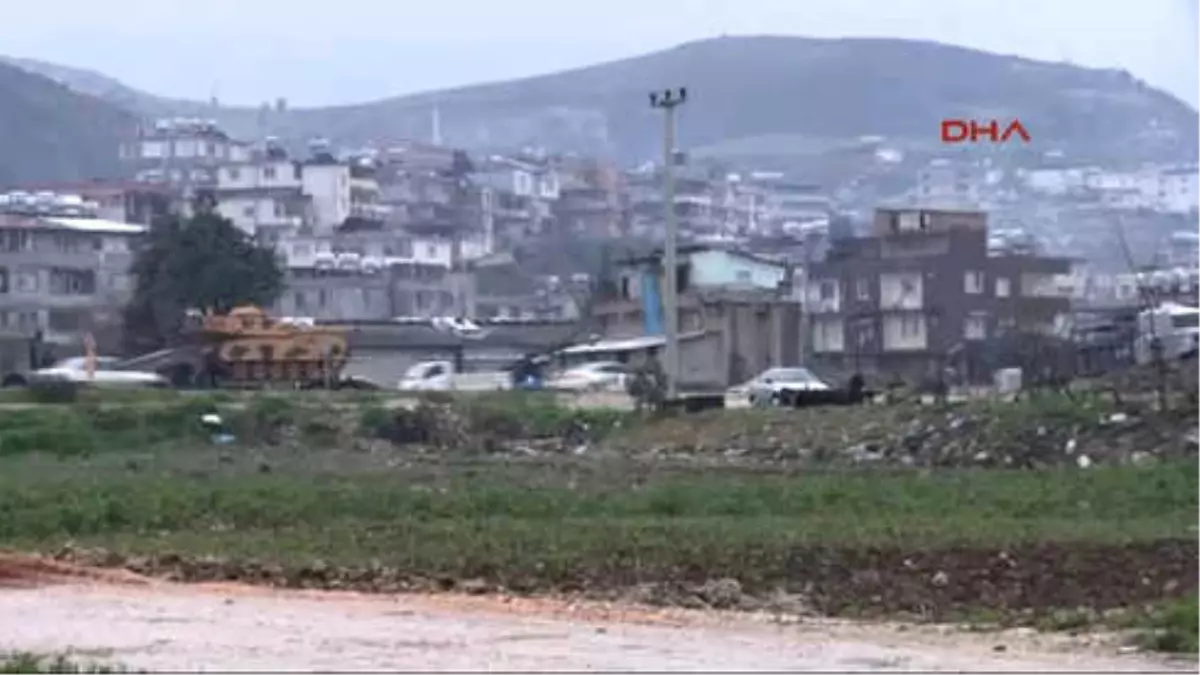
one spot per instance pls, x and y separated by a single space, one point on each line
203 263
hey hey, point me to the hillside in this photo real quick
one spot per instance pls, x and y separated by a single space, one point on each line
752 96
49 133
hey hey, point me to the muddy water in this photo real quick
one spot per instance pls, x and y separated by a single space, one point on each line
168 627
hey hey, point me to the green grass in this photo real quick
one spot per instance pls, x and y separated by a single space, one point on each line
561 522
308 482
1174 627
27 662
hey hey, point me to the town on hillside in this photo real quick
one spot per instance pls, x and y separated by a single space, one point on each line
893 271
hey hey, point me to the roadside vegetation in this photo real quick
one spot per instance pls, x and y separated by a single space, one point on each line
28 662
519 494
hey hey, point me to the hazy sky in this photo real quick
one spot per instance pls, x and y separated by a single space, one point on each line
341 51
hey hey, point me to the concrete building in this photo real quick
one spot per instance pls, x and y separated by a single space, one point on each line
700 201
737 315
519 194
414 291
591 201
948 184
430 193
118 201
182 153
63 276
272 197
922 292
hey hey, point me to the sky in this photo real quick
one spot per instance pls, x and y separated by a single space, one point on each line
321 52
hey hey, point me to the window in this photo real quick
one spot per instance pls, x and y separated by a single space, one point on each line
828 290
27 282
248 210
234 173
431 250
280 209
1003 287
269 173
743 275
3 279
975 327
973 282
863 289
910 326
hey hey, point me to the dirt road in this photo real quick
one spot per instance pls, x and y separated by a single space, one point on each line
160 626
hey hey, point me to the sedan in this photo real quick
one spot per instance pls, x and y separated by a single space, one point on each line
599 376
74 370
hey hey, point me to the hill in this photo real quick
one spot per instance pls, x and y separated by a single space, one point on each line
49 132
751 96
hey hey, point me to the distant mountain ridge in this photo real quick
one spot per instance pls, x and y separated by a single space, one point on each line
49 132
785 95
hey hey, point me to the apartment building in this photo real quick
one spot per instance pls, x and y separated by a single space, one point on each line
119 201
519 194
923 291
272 197
182 153
63 275
431 196
591 200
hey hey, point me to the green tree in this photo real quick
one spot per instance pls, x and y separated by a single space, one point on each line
203 262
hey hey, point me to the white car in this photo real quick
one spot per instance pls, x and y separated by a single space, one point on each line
75 370
773 385
598 376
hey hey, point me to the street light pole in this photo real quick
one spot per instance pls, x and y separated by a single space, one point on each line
667 101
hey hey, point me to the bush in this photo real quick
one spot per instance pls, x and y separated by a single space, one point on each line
1176 627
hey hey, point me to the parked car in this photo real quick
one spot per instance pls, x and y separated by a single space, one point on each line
74 370
590 377
775 385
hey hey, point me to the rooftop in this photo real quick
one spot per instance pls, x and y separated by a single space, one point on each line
11 221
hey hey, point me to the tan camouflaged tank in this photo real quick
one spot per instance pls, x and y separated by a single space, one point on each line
252 348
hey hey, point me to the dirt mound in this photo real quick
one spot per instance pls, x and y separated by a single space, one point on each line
27 571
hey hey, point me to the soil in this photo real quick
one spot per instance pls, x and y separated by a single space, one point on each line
149 624
1014 584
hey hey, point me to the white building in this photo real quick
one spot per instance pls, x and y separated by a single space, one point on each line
182 152
1171 189
270 196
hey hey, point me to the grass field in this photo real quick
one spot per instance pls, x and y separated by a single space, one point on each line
144 485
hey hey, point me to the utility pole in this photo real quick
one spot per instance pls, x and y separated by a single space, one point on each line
667 101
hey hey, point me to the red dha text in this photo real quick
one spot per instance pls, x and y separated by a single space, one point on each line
959 131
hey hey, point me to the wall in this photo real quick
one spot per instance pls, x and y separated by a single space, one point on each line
719 268
329 187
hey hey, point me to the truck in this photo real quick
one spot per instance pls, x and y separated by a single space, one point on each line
1175 327
441 376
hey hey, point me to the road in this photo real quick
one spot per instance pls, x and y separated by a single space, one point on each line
160 626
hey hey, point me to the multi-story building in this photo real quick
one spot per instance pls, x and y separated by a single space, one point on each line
519 194
371 275
62 274
119 201
182 153
274 198
923 291
429 190
591 201
948 184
